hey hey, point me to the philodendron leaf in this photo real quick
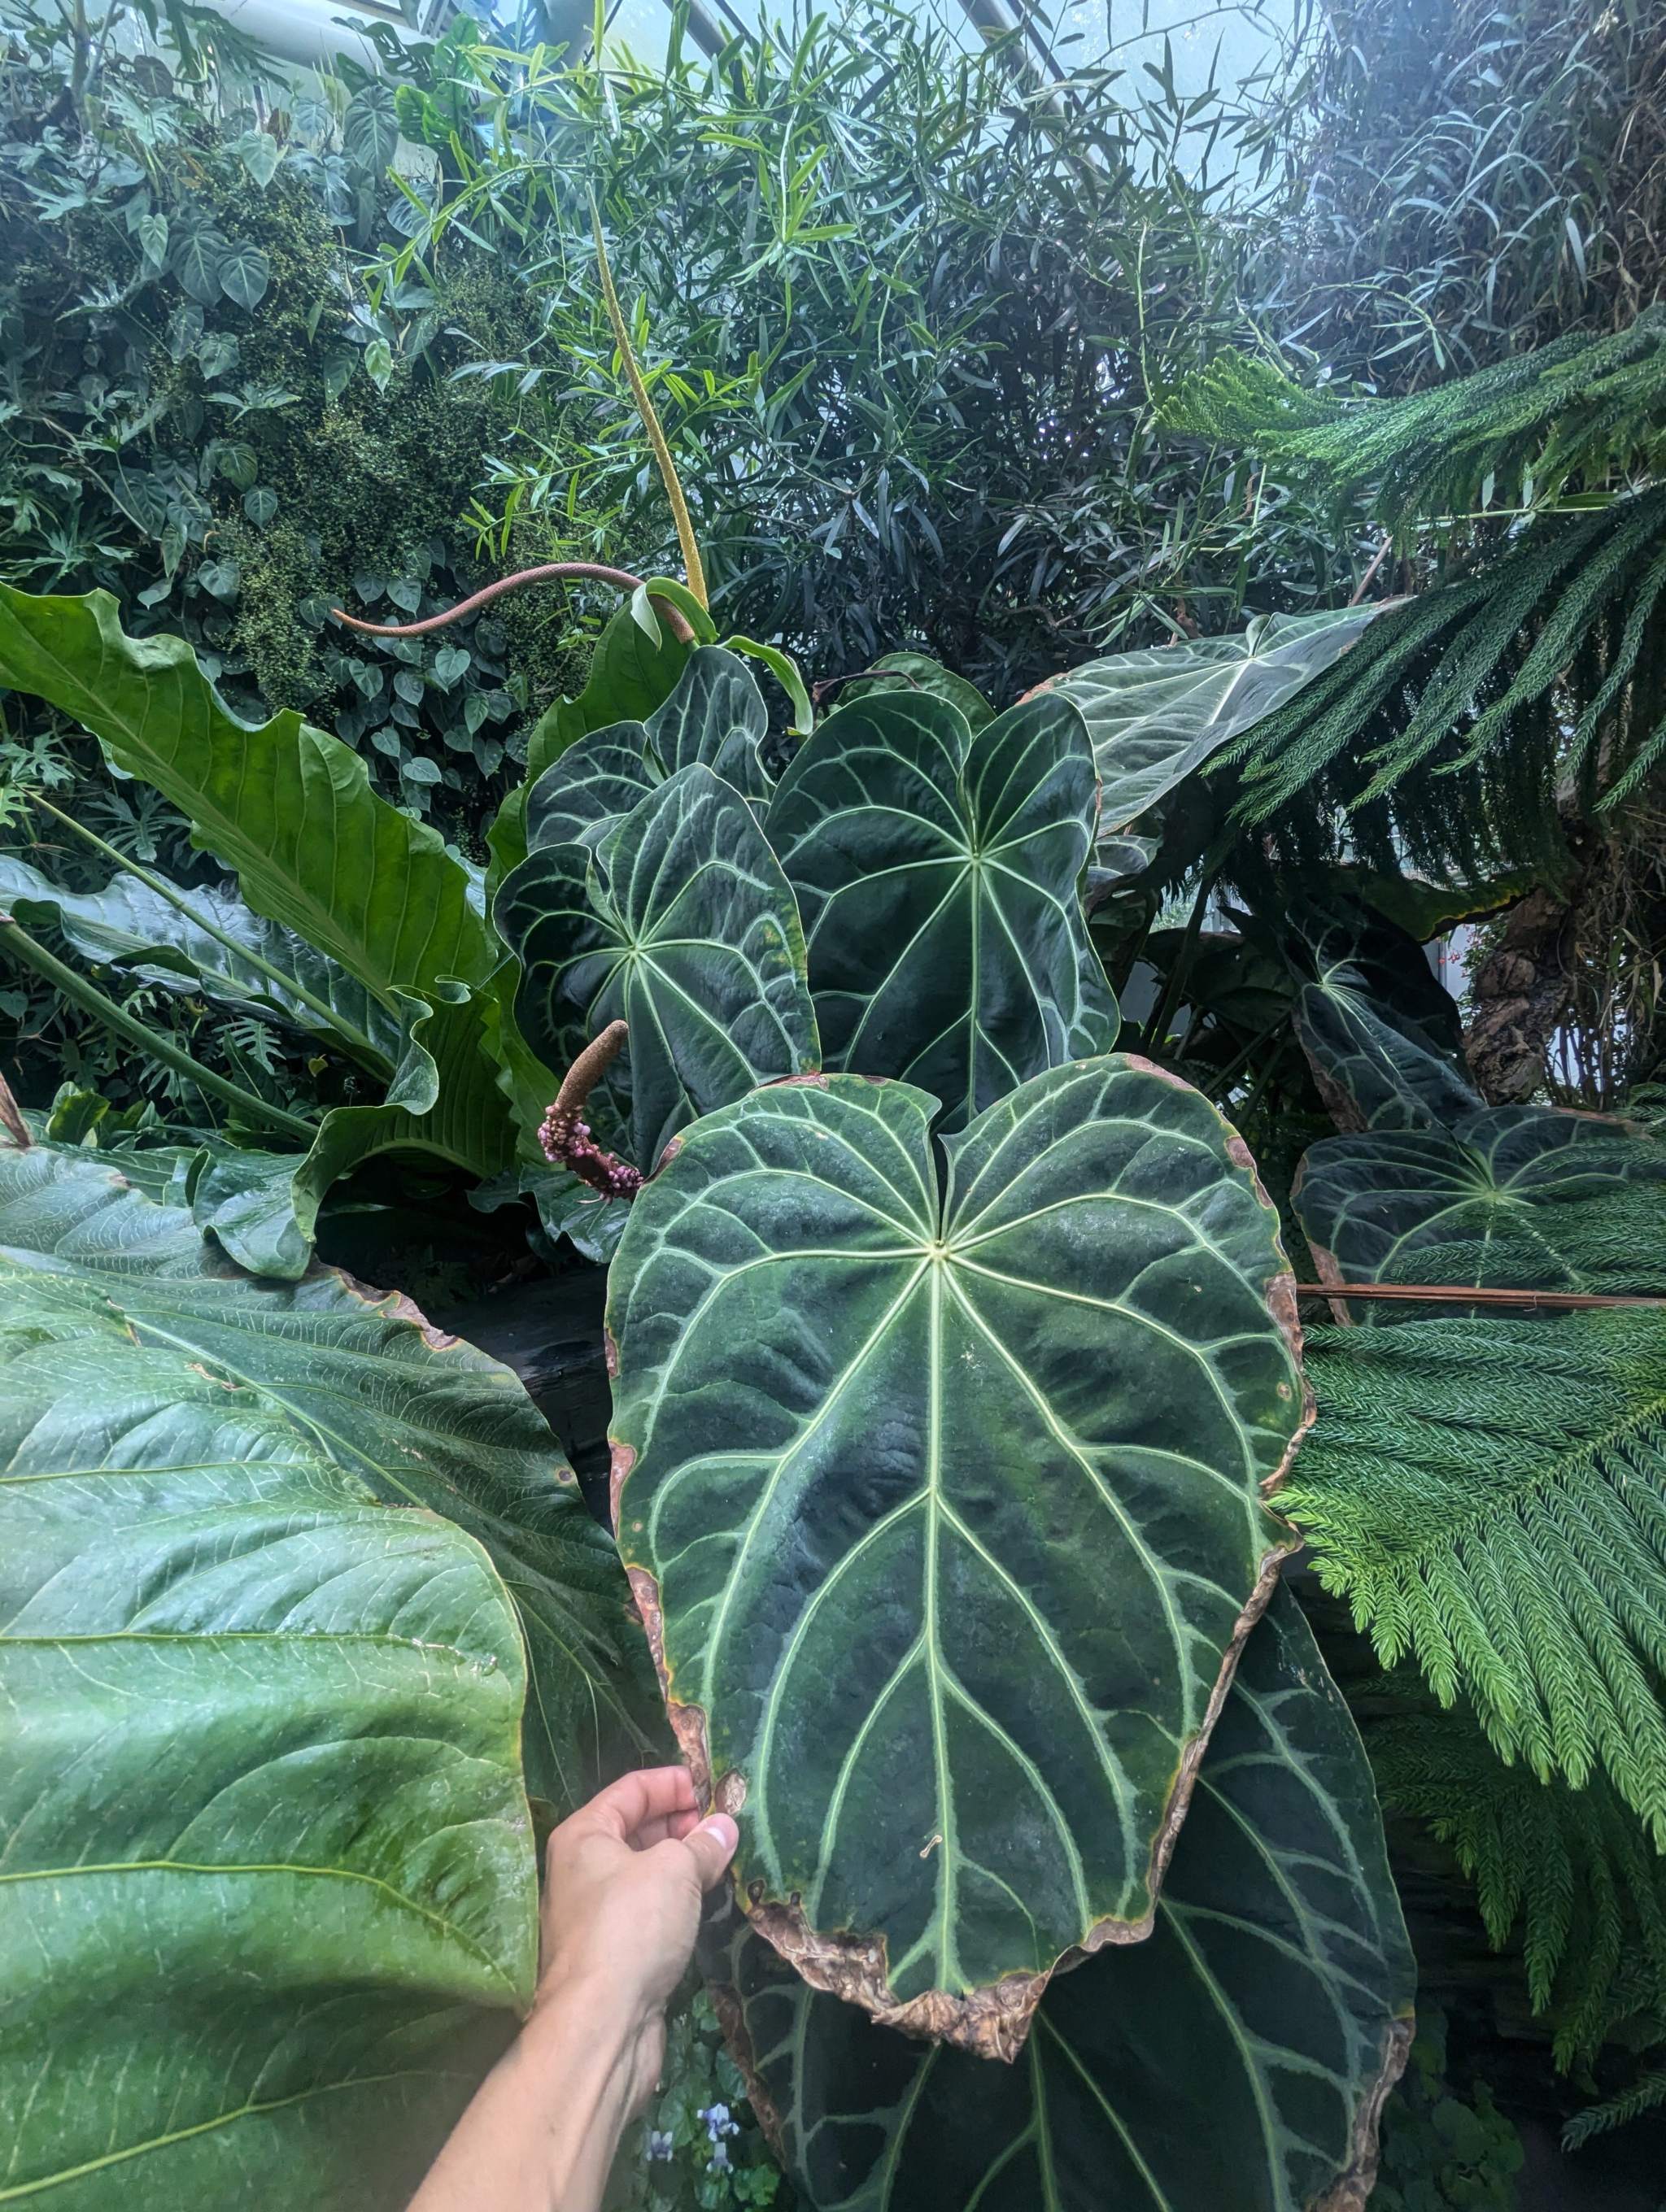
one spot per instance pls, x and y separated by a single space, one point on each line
939 878
681 923
943 1507
128 925
1517 1197
288 809
714 717
91 1270
1239 2057
271 1903
1156 715
1380 1035
918 671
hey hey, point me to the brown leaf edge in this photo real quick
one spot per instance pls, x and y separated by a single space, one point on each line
991 2022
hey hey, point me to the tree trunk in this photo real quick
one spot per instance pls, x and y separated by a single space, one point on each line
1523 995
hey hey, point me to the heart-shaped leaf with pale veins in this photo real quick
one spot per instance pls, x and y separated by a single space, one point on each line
939 877
1235 2062
943 1506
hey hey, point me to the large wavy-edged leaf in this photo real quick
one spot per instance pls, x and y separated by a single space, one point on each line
266 1852
939 878
288 809
1380 1035
1237 2059
89 1268
1465 1477
127 925
1516 1198
1156 715
681 923
714 718
943 1506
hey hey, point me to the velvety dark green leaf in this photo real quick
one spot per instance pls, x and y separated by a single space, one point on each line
244 273
681 923
596 780
1517 1197
1236 2059
1380 1035
92 1272
1156 715
943 1505
917 672
195 256
939 879
129 926
370 131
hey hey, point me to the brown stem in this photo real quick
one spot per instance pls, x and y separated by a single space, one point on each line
11 1118
1377 559
1459 1294
565 1134
566 571
819 691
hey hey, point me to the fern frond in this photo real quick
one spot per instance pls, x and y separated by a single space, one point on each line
1583 409
1571 1868
1490 1496
1646 2094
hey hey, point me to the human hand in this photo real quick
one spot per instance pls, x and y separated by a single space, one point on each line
625 1877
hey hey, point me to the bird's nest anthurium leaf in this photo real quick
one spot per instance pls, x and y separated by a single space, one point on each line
714 717
1514 1197
939 875
409 1417
679 921
1238 2057
942 1501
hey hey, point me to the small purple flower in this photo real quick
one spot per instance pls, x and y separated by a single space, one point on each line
718 2160
719 2125
658 2143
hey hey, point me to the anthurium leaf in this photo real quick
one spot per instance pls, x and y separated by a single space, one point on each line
942 1504
1238 2057
681 923
917 672
938 876
715 716
288 809
128 925
271 1897
1515 1198
91 1270
443 1103
1380 1035
1156 715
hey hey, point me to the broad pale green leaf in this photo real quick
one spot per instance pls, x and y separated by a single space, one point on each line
1516 1198
129 926
1235 2062
681 923
265 1853
1156 715
1380 1035
288 809
714 718
939 878
89 1266
943 1506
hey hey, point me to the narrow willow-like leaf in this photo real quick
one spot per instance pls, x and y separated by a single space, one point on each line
939 877
1156 715
943 1507
89 1267
1517 1197
1238 2058
680 923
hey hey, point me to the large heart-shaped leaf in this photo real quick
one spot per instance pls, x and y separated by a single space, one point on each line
714 717
130 925
412 1418
264 1843
939 877
1380 1035
681 923
288 809
1238 2058
1517 1197
943 1507
1156 715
